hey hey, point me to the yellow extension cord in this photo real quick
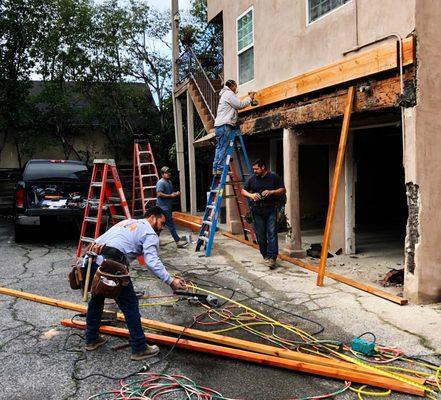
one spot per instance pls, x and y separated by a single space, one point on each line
312 339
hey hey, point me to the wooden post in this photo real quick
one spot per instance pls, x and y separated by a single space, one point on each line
350 178
335 183
191 157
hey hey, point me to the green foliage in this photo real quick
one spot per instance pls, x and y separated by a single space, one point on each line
89 56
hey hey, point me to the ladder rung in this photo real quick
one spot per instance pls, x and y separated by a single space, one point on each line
96 184
205 239
114 198
91 219
144 176
149 187
144 152
87 239
209 223
145 163
214 190
119 216
150 198
210 207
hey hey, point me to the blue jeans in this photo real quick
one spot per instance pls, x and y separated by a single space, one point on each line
170 224
222 135
265 227
129 305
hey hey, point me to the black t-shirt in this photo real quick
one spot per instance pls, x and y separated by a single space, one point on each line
257 184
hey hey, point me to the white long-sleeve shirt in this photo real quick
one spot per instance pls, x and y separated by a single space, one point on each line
136 237
229 103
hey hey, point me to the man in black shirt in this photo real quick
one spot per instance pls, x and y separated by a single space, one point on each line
263 189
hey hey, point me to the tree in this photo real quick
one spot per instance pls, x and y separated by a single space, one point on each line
20 23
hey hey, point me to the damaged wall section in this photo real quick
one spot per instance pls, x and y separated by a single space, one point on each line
412 229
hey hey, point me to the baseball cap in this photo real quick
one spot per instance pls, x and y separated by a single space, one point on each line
165 169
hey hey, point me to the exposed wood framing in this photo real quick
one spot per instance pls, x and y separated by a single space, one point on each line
332 275
383 95
335 183
380 59
332 371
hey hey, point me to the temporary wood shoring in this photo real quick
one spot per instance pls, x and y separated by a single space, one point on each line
332 275
327 371
380 59
382 95
335 184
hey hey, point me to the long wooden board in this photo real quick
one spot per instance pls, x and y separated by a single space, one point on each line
327 371
188 220
380 59
335 184
194 333
332 275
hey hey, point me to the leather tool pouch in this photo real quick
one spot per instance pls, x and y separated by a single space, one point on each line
110 278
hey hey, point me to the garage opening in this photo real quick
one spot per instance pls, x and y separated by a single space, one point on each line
380 194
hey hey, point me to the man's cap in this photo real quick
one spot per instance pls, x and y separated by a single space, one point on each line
165 169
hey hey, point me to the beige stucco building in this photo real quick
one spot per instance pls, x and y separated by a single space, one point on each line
301 56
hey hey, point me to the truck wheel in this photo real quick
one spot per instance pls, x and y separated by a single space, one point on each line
20 233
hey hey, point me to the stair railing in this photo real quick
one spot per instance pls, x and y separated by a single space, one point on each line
194 70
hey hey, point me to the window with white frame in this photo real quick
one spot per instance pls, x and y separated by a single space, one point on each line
317 8
245 47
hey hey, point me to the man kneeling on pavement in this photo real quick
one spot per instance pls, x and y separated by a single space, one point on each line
263 189
124 242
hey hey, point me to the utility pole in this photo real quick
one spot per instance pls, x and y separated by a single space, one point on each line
177 106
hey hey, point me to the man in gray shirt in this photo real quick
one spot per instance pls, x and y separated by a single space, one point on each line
165 195
123 243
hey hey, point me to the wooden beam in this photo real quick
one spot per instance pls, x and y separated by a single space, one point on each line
380 59
188 220
306 367
383 95
339 278
335 183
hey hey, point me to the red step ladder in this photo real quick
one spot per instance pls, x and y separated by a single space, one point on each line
241 203
105 194
145 177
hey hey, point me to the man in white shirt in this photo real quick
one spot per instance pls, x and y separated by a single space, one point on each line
123 243
226 120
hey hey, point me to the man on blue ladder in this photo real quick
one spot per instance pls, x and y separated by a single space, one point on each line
263 189
226 120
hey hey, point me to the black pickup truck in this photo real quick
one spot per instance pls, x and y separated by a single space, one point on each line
49 192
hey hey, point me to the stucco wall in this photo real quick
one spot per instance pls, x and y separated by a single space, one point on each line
285 45
422 161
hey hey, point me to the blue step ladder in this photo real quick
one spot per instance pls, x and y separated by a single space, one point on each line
237 178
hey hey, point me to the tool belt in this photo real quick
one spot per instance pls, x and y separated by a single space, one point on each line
109 279
77 274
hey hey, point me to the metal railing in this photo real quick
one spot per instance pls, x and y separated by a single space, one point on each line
189 66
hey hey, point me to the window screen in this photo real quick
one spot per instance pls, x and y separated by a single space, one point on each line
317 8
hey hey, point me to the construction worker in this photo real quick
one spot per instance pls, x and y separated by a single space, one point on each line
123 243
226 120
263 189
165 196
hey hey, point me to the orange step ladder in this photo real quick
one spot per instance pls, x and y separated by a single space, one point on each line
145 177
105 194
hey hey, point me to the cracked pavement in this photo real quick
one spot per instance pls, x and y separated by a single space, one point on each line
39 358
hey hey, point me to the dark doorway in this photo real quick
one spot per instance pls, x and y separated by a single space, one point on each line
380 195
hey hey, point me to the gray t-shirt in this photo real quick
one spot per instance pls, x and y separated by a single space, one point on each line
165 187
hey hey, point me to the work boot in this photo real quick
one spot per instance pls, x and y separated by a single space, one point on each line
272 263
148 352
181 243
97 343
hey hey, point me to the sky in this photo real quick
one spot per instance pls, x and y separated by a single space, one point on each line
164 4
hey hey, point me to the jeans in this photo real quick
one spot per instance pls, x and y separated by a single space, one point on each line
129 305
265 227
222 135
170 224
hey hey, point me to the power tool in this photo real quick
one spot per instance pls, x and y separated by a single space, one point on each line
208 299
